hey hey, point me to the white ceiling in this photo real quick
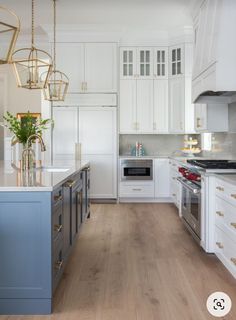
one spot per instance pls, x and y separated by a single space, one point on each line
158 14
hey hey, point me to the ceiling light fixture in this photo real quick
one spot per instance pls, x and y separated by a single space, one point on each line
58 82
30 63
8 32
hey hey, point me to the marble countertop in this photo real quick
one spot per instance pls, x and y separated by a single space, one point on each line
12 179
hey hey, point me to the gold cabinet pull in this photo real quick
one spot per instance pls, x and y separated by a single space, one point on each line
220 245
233 195
173 194
57 198
233 260
220 213
136 189
59 264
221 189
58 227
198 123
70 183
173 178
233 224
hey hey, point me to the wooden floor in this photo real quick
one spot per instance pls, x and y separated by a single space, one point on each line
137 262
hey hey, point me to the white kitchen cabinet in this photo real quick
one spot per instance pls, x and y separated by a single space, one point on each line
176 105
136 63
162 178
100 67
175 187
70 60
128 63
98 139
160 106
91 67
128 99
103 176
212 117
160 63
144 106
65 132
136 106
176 57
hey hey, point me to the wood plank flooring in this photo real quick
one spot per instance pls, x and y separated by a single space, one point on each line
137 262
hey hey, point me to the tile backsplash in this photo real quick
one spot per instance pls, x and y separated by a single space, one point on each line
161 144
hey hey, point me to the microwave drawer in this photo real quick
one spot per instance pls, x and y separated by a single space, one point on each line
136 191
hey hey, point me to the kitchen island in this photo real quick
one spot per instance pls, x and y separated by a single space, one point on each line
41 212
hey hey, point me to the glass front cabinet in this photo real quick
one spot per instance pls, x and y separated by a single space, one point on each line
143 63
176 61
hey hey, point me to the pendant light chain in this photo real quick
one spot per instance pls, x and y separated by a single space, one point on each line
32 30
54 58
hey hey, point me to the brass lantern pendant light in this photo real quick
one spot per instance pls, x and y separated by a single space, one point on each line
58 82
30 63
9 30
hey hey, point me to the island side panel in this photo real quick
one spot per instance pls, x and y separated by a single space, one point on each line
25 253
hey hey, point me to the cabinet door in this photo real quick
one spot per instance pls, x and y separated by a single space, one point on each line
127 63
128 100
160 108
100 67
176 105
162 178
103 177
145 63
176 61
97 130
145 106
200 117
64 131
70 60
160 63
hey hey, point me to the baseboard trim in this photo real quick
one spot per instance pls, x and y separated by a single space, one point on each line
145 200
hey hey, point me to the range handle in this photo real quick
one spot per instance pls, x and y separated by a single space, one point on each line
190 186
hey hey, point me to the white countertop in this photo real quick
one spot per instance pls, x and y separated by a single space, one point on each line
38 179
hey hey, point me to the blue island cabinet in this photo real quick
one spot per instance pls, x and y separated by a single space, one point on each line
26 252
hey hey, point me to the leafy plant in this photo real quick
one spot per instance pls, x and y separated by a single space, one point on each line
23 129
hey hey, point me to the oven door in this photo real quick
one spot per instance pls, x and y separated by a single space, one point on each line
195 212
136 170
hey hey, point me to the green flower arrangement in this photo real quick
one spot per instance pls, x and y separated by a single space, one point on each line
22 130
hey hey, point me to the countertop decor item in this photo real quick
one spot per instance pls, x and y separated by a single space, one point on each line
25 125
57 82
30 63
190 147
9 30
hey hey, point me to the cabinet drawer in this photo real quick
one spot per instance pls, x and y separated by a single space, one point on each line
133 191
58 222
225 249
226 191
57 197
58 265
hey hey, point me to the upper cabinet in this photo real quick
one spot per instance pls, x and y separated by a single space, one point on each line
143 63
215 51
86 63
176 60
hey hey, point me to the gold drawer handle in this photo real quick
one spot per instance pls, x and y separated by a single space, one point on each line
58 227
173 194
69 183
136 189
220 188
233 196
58 265
58 198
220 213
233 260
220 245
173 178
233 224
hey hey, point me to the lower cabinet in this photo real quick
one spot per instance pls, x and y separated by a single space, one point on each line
37 233
175 189
162 178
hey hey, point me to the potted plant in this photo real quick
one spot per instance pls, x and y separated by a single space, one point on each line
24 127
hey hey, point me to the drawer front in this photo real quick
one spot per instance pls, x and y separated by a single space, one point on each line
133 191
225 249
226 191
57 197
58 265
58 222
